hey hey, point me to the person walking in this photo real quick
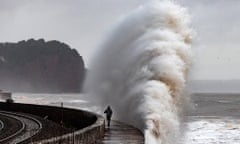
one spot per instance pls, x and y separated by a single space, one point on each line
108 113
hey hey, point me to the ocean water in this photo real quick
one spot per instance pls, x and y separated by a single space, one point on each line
214 119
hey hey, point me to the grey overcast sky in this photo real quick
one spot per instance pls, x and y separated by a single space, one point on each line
83 23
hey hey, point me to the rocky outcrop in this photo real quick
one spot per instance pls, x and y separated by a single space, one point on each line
40 66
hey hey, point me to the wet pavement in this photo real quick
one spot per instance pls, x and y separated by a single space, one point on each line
120 133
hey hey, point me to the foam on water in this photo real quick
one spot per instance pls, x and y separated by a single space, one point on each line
142 67
212 131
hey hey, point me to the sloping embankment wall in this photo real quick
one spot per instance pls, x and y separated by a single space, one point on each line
90 127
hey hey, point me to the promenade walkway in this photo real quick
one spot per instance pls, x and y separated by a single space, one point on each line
120 133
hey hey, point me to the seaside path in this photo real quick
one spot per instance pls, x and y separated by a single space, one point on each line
121 133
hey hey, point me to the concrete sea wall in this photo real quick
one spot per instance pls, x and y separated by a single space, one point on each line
89 127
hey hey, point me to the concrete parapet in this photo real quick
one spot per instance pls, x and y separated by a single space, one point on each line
88 135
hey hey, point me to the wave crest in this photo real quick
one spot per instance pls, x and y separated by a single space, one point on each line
142 68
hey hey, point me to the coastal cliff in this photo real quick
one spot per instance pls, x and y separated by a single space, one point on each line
40 66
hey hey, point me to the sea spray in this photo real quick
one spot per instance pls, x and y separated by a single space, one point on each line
142 68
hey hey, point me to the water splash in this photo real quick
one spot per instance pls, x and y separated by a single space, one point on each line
142 68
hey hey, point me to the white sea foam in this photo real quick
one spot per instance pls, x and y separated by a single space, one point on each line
212 131
142 68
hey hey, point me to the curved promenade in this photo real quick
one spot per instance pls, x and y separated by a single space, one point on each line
78 126
121 133
87 127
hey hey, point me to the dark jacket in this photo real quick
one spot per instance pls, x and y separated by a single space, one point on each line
108 113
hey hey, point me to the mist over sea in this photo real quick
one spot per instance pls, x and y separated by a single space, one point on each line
71 100
213 119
